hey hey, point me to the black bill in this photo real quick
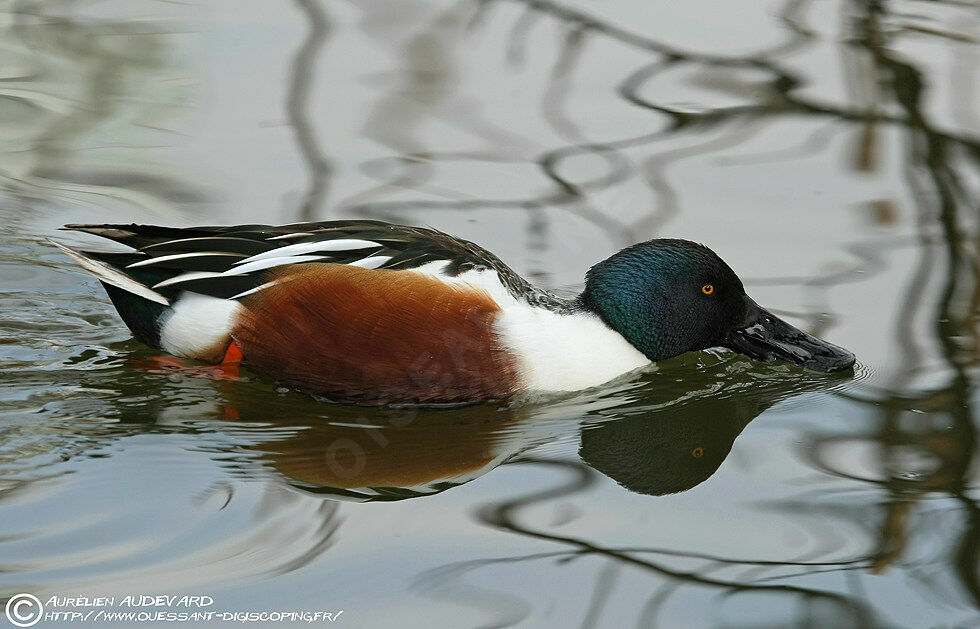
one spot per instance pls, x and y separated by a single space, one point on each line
764 336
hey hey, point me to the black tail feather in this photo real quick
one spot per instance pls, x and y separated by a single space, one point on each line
140 236
143 317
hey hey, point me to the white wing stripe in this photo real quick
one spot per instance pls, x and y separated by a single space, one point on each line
371 262
301 248
254 290
268 263
187 277
287 236
181 256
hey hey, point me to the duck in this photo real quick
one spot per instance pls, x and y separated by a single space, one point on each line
373 313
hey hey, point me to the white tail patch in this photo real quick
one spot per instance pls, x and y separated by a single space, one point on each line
198 325
112 276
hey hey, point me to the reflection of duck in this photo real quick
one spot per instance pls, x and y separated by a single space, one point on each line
387 454
654 444
685 440
678 448
370 312
662 454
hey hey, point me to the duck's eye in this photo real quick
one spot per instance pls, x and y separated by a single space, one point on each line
707 289
697 452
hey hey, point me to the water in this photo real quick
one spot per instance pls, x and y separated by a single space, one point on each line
828 151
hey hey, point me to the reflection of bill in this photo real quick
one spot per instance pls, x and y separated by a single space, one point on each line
24 610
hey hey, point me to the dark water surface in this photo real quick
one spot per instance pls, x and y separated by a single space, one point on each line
829 151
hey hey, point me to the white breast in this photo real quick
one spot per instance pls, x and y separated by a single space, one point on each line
555 351
565 352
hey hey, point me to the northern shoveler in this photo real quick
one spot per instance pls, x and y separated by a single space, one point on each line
373 313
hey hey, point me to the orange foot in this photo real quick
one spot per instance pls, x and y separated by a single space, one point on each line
227 370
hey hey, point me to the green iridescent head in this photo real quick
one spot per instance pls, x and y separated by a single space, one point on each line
668 297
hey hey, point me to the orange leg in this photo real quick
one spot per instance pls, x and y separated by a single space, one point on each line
226 370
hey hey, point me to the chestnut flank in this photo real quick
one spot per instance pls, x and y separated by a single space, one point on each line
375 336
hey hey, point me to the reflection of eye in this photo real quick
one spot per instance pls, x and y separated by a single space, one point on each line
697 452
707 289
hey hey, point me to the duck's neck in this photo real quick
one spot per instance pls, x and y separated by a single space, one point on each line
623 308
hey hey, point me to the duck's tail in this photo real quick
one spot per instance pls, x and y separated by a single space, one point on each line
142 309
177 290
111 269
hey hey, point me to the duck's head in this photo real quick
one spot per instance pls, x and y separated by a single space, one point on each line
668 296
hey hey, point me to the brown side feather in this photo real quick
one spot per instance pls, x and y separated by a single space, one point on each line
376 336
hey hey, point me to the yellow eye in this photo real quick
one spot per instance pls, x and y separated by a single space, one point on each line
697 452
707 289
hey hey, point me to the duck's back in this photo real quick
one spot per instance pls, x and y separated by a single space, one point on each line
356 310
360 311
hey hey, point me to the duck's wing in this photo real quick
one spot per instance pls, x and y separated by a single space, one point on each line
230 262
